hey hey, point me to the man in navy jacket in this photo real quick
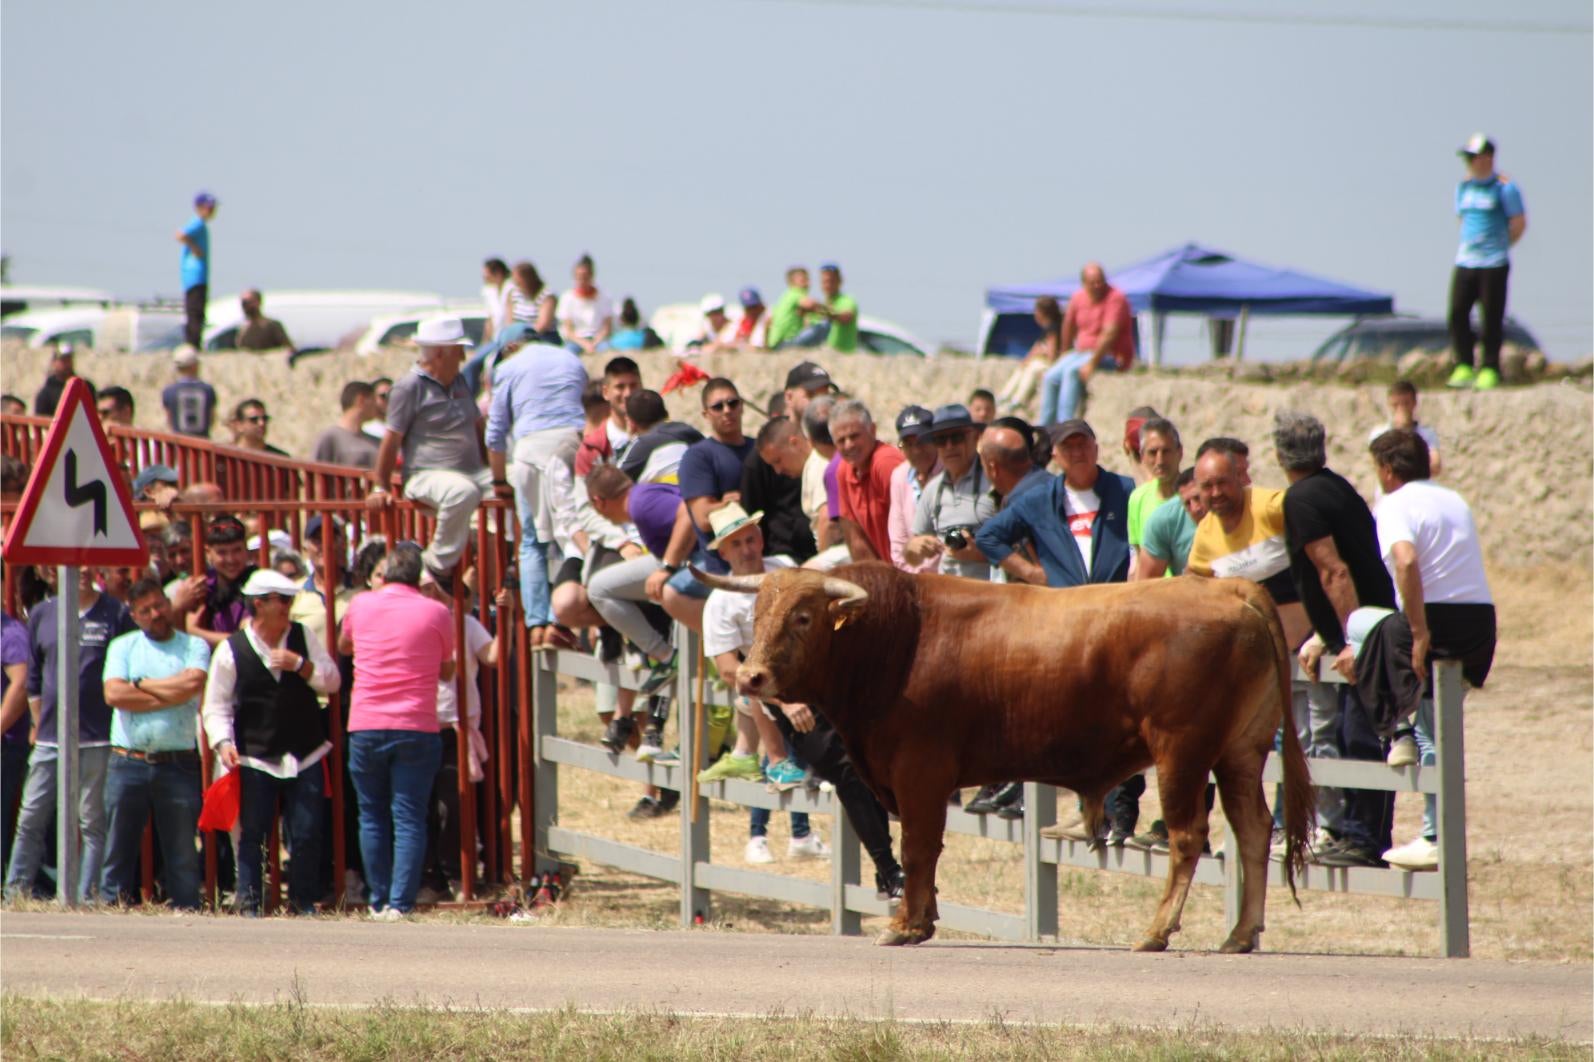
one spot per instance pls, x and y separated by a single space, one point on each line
1079 527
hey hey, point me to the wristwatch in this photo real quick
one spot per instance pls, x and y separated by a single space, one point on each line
671 568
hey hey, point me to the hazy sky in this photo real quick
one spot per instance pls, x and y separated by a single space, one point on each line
932 148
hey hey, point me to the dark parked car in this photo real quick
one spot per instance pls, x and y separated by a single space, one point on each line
1388 338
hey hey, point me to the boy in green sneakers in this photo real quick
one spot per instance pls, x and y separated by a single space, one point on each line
1493 219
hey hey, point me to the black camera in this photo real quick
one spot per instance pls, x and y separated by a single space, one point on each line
957 537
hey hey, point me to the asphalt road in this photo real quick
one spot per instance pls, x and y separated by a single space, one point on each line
342 962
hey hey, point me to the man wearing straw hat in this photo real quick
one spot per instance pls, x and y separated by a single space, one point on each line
432 417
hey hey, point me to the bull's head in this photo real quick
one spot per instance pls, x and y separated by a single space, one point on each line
797 613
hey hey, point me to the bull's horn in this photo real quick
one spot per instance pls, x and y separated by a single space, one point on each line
847 595
741 584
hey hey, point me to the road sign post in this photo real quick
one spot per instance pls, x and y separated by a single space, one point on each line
68 856
75 511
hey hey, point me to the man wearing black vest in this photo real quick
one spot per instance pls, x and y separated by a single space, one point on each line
264 719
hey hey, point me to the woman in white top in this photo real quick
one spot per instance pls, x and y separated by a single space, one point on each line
586 315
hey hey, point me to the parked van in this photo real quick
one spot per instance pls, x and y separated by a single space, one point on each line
18 298
315 320
134 328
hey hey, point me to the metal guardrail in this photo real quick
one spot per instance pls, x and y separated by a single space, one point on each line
847 899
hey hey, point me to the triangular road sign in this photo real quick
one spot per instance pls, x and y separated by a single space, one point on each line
76 508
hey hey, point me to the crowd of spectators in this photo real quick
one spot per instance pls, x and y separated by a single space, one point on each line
615 505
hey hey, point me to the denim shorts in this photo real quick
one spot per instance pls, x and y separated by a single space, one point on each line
684 582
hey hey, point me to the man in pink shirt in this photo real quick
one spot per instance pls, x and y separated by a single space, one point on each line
1098 333
403 645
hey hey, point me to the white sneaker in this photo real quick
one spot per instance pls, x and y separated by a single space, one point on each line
758 851
1402 752
810 847
1420 854
386 914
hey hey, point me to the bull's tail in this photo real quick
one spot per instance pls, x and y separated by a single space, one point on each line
1300 800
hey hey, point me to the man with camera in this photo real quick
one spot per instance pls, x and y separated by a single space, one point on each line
955 501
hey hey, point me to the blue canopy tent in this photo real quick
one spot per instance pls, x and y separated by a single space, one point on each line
1189 279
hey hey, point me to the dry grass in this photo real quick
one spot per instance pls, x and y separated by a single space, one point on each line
172 1032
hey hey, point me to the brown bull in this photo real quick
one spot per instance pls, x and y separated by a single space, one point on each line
935 683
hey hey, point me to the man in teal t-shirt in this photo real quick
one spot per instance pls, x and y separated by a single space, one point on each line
1160 455
1169 531
841 309
153 678
195 238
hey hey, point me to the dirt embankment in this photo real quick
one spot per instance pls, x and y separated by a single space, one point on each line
1523 457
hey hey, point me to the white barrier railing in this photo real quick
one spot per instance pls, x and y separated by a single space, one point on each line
847 899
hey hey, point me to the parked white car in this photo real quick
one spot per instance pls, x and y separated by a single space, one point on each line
135 328
679 323
397 329
315 320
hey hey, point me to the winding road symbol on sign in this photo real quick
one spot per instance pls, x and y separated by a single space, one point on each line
83 493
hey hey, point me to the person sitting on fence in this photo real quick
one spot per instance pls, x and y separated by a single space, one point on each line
440 877
1334 562
264 718
153 679
657 443
778 493
212 604
432 418
727 634
1429 543
403 645
784 446
608 440
534 421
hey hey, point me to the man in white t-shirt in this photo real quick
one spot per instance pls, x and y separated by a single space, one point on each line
585 315
440 874
1402 400
727 635
1430 544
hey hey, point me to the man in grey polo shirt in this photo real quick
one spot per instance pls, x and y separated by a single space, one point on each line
955 501
432 417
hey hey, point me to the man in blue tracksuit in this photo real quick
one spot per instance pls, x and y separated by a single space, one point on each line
1493 219
1079 525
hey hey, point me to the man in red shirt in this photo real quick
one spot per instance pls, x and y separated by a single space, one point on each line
1098 333
863 481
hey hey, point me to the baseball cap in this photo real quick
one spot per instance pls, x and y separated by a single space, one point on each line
204 199
1477 144
913 422
750 297
711 303
954 416
808 375
185 355
150 474
269 581
1069 428
312 527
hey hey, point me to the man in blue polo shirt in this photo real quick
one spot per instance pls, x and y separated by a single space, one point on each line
1493 219
195 238
153 678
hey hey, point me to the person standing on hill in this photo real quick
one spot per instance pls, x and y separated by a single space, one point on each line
1493 219
259 332
190 402
195 238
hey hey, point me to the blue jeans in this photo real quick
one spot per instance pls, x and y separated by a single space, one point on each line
535 596
393 772
1062 389
302 800
1428 752
135 790
758 818
37 819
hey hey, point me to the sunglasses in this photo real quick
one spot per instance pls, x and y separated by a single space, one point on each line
258 418
726 405
939 441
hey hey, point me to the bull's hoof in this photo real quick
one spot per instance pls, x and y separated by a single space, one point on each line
1151 944
1239 945
895 938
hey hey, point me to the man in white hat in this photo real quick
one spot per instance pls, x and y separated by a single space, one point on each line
727 634
263 715
432 416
